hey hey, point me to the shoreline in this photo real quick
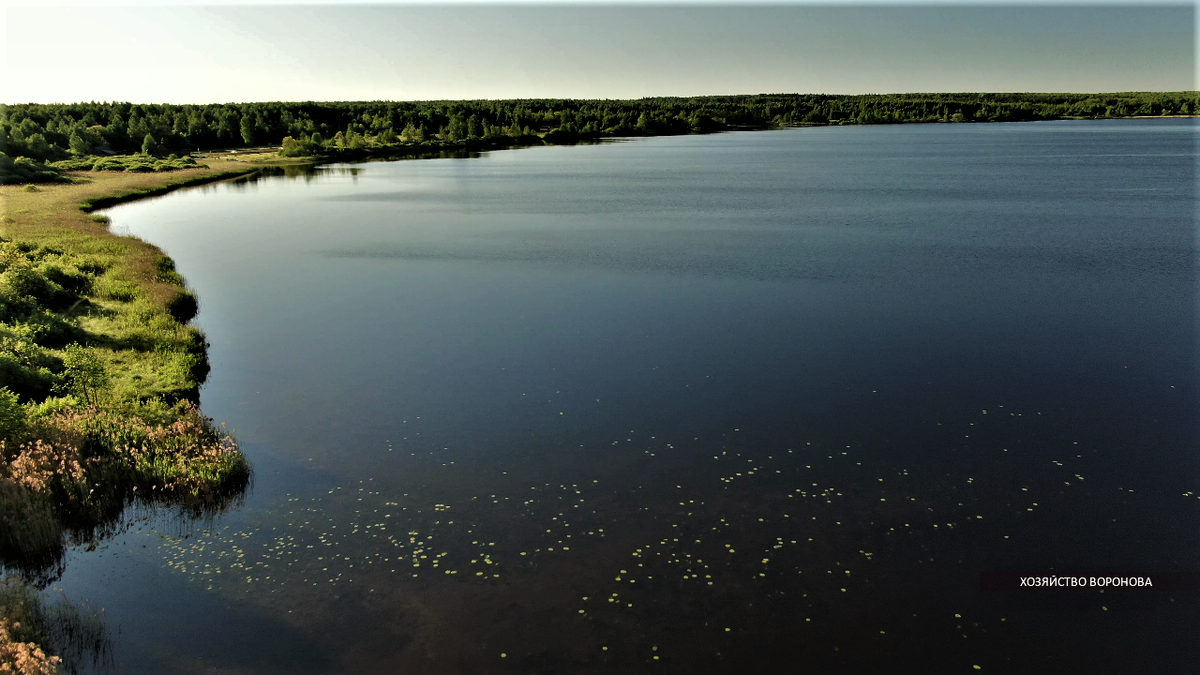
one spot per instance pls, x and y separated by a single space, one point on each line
267 156
110 372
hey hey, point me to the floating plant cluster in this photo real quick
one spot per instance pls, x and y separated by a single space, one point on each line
735 542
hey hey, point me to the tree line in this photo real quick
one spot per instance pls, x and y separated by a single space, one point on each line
55 132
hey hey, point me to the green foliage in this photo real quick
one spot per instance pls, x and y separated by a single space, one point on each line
166 271
75 164
138 163
116 289
26 170
12 415
28 369
41 131
32 136
85 373
183 306
122 425
79 145
302 147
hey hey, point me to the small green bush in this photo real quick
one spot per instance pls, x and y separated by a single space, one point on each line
12 415
183 307
76 164
86 375
69 278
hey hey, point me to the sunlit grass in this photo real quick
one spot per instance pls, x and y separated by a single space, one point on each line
99 374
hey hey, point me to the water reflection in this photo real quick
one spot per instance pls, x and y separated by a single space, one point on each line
75 634
524 410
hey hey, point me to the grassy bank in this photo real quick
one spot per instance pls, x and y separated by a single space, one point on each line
99 378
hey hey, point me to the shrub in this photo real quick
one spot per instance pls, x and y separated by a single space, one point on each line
300 148
166 271
183 307
78 439
28 381
71 280
77 164
26 170
22 279
12 415
85 374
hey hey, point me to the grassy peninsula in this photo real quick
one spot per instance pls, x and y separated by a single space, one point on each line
99 381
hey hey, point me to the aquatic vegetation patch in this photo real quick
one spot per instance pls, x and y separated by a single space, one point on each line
683 553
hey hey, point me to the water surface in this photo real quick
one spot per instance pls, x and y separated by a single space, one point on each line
693 404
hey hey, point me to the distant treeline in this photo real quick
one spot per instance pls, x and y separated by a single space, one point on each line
54 132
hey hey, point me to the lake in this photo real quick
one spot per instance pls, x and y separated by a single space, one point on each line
729 403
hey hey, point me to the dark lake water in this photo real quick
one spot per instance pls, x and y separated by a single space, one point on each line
751 402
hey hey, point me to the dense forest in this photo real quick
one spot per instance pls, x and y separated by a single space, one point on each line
34 137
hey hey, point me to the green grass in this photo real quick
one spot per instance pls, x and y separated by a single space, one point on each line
99 371
99 377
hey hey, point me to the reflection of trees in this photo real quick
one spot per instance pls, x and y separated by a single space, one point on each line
33 548
33 558
78 637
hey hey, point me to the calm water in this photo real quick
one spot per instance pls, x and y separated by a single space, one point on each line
697 404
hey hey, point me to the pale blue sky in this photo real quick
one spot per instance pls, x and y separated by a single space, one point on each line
200 54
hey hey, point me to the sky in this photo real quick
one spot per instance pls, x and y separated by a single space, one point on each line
61 51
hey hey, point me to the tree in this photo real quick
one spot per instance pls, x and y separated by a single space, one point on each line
38 147
290 147
79 144
149 145
225 125
85 373
247 128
